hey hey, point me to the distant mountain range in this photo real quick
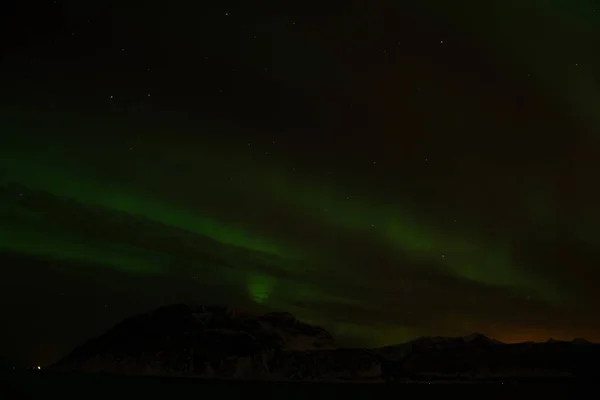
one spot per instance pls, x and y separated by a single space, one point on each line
226 343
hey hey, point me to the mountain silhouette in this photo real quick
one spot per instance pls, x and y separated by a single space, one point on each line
228 343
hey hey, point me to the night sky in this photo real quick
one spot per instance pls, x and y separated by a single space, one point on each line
385 169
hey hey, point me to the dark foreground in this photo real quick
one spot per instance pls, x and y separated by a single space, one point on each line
35 384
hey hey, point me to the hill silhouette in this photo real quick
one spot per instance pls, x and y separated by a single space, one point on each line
227 343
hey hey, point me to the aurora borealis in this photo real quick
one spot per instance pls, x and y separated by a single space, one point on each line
384 169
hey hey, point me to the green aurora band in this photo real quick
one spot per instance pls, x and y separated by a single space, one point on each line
397 227
283 268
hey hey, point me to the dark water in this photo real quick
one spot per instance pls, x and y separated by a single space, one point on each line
40 385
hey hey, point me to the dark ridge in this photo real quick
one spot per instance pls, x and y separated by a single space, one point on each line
215 342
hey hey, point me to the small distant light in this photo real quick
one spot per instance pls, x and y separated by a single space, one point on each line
38 367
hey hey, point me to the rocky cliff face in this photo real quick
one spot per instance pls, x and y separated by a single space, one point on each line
217 342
